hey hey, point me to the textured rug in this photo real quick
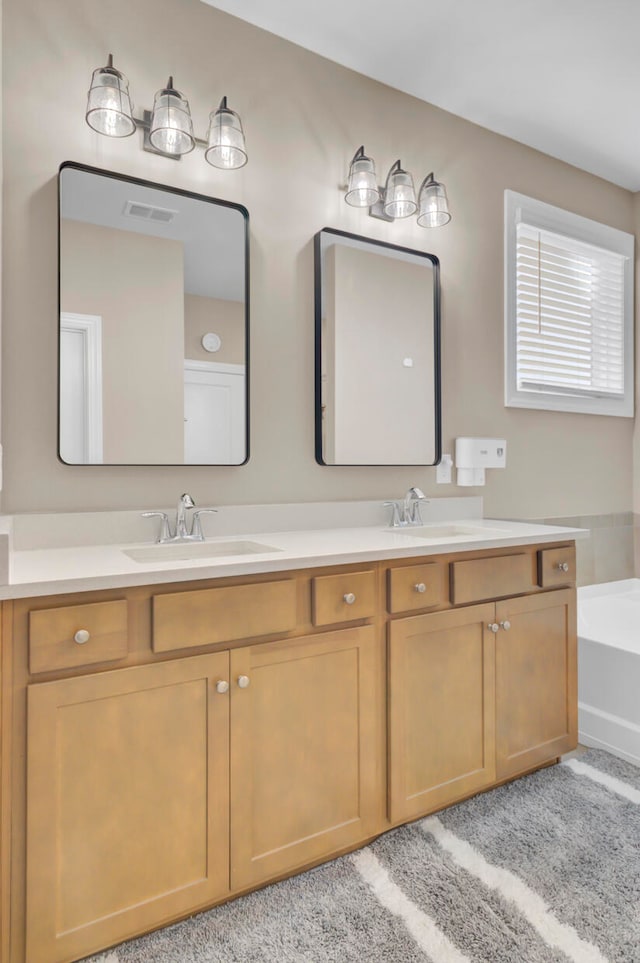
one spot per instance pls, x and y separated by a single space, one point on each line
543 870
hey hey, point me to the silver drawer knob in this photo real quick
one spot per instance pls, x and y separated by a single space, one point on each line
420 587
493 626
243 681
222 686
82 636
506 625
349 598
563 566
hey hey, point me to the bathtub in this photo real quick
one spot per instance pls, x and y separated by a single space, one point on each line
609 667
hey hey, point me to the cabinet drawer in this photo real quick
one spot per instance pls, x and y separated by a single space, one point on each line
183 620
489 578
556 566
343 598
76 635
417 587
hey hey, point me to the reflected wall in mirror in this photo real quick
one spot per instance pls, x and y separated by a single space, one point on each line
377 352
146 273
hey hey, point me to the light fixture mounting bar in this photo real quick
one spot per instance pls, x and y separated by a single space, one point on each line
377 209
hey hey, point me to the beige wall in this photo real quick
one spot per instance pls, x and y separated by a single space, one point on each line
304 117
224 318
135 284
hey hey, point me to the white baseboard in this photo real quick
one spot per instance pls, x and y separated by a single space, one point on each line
602 730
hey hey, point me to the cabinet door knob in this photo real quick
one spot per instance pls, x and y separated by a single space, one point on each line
243 681
222 686
349 598
493 626
563 566
82 636
420 587
506 625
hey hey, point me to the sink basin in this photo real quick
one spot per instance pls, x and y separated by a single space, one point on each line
440 532
190 550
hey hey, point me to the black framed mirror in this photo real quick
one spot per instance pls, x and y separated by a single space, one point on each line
153 323
377 352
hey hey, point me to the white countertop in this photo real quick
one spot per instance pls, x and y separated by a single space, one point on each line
49 571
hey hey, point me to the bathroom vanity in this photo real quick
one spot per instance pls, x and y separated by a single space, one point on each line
174 737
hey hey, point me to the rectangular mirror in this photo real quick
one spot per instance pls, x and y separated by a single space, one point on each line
153 324
377 380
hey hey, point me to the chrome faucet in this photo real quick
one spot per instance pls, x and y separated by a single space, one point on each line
181 532
407 512
412 506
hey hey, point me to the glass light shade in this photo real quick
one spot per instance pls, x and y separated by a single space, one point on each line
171 126
108 104
362 189
399 193
227 148
434 207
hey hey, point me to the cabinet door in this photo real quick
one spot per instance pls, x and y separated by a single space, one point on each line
127 803
536 697
306 775
441 709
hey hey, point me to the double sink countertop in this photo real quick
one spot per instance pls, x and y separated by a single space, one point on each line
48 564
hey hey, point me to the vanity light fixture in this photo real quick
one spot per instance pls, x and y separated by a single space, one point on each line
397 199
399 193
168 129
226 148
433 204
171 130
362 189
109 109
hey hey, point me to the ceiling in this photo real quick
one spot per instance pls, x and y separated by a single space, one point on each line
562 76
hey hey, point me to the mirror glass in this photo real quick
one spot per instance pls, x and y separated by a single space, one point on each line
377 353
153 337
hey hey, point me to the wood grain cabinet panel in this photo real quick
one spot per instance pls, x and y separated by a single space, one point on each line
556 566
478 579
305 759
441 709
536 680
77 635
417 586
127 803
343 598
184 620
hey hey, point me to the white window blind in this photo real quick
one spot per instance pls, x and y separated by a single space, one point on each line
570 315
568 311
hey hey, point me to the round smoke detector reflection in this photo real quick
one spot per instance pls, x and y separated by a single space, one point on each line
211 342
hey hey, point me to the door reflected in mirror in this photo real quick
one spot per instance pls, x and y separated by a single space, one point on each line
377 353
153 337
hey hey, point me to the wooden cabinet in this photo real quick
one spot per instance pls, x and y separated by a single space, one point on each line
306 778
412 587
536 695
129 798
127 803
77 635
184 620
325 706
441 709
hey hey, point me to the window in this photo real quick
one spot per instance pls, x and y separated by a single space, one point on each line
568 311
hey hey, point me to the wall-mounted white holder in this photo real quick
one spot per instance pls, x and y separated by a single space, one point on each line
473 455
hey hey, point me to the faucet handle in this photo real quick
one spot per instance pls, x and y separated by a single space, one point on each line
196 528
395 514
165 531
415 514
